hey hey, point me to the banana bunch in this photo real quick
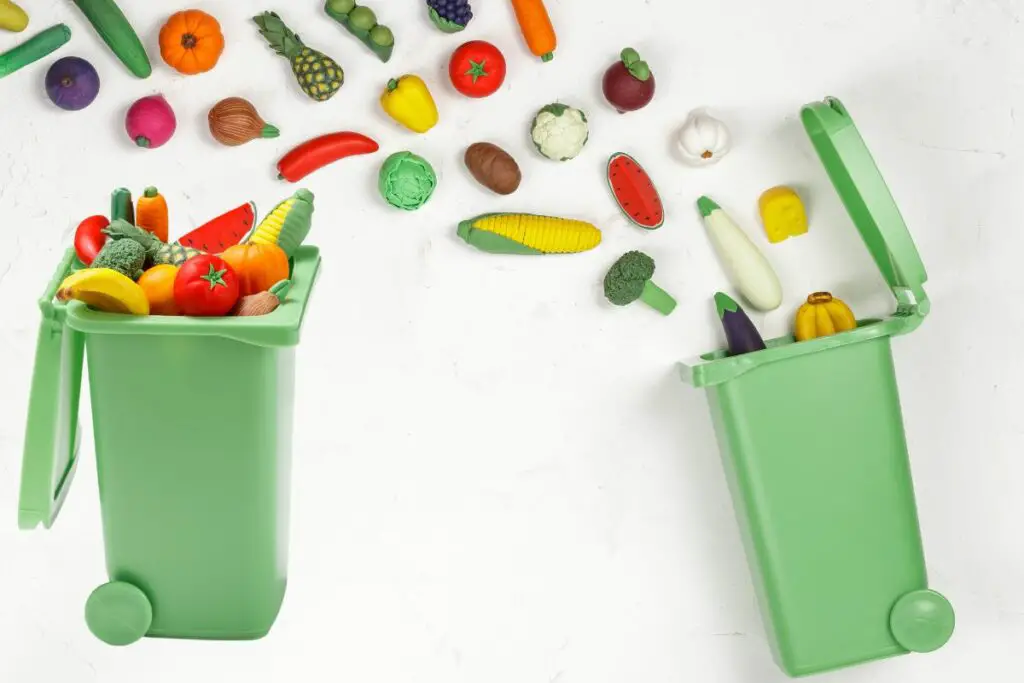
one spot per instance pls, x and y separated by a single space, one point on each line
104 289
821 316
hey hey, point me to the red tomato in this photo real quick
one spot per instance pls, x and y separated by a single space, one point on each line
89 238
477 69
205 285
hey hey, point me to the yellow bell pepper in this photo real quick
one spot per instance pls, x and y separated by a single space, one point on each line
408 101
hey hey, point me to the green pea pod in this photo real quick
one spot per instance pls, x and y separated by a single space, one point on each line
33 49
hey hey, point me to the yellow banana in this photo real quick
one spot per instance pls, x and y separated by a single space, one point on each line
105 290
821 316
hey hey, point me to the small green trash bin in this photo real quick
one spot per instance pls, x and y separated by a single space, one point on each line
811 438
192 420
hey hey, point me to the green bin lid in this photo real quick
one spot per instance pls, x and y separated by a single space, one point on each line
867 199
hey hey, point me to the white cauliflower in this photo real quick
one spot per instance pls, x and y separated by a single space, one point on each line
559 132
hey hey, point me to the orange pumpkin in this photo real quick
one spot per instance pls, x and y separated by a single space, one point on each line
258 266
191 41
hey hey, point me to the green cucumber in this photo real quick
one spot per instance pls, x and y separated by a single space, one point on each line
35 48
121 207
109 21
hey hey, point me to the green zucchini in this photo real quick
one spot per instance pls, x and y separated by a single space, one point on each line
121 207
36 47
109 21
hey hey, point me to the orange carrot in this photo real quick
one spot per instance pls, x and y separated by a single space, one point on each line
535 24
151 213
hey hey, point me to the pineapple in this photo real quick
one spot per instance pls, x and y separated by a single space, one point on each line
318 75
157 252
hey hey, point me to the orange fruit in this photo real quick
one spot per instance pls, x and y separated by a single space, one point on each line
158 284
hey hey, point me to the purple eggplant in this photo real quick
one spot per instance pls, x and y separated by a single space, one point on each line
740 333
72 83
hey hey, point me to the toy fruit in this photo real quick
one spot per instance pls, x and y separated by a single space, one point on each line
406 181
205 286
451 16
740 334
90 238
151 213
493 167
225 230
33 49
158 284
477 68
191 41
257 265
318 152
157 252
234 121
703 139
408 101
745 265
112 26
559 132
105 290
12 17
523 233
72 83
535 25
634 192
629 279
823 315
263 302
150 122
782 214
319 76
628 83
288 224
362 23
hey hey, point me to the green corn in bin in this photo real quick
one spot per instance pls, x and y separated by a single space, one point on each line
812 441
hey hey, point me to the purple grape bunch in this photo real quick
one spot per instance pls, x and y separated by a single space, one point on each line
456 11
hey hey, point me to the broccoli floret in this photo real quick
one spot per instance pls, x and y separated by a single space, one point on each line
629 279
125 256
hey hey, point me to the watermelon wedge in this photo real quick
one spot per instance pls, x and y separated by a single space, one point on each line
634 192
223 231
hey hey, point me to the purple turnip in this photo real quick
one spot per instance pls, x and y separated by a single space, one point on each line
628 83
72 83
150 122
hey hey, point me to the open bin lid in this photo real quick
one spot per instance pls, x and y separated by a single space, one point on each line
863 191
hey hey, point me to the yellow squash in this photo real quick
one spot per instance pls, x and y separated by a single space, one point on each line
821 316
408 101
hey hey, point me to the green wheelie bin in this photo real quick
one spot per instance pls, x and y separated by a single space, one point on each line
192 419
812 441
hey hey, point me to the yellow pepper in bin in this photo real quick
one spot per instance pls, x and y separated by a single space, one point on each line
408 101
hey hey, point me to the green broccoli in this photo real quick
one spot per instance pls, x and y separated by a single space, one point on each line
629 279
125 256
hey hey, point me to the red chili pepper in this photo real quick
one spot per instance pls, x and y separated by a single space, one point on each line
90 238
318 152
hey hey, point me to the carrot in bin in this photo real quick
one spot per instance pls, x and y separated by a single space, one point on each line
151 213
535 24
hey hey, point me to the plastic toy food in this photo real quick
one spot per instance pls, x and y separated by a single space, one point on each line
703 139
158 284
191 41
782 213
157 252
234 121
150 122
125 256
451 16
740 334
406 181
90 238
12 17
318 152
205 286
823 315
105 290
362 23
223 231
745 265
535 25
288 224
629 279
72 83
477 69
151 213
559 132
263 303
121 206
493 167
33 49
628 83
109 21
257 265
408 101
523 233
634 192
317 74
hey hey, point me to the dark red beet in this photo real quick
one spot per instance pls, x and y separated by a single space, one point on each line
72 83
628 84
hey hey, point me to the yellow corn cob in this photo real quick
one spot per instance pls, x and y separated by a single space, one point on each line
543 234
270 227
288 224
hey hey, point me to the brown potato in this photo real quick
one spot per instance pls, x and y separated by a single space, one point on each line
493 167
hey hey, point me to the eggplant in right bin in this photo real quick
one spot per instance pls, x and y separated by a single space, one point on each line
826 505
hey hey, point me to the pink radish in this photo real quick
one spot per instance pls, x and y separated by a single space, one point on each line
150 122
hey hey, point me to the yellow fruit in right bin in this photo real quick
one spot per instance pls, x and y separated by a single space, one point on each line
782 213
821 316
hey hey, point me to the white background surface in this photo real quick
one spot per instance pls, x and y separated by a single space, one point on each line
498 476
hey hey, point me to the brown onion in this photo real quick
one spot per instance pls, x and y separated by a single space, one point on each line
234 121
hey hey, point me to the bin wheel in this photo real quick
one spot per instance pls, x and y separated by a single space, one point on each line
922 621
118 613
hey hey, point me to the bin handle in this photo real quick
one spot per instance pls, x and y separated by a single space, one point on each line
46 301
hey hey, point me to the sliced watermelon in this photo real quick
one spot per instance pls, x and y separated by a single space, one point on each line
223 231
634 192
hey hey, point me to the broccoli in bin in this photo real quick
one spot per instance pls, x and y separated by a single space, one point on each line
629 279
125 256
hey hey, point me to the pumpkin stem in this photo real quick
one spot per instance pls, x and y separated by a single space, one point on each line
819 298
189 41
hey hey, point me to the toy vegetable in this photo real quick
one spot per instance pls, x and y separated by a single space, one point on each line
263 302
125 256
105 290
317 74
90 238
477 69
745 265
628 84
406 181
782 214
191 41
12 17
318 152
257 265
523 233
535 25
157 252
559 132
72 83
33 49
288 224
362 23
629 279
109 21
158 284
451 16
493 167
205 286
150 122
408 101
151 213
740 334
234 121
821 316
121 206
703 139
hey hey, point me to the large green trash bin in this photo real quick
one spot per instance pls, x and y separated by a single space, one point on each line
811 438
192 420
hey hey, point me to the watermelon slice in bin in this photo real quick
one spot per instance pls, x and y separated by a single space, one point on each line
224 231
